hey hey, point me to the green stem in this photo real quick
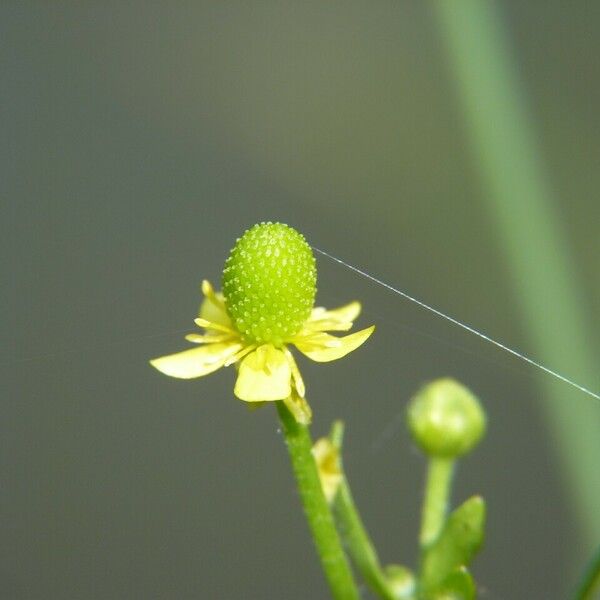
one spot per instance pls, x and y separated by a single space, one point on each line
435 504
325 536
353 531
520 197
590 580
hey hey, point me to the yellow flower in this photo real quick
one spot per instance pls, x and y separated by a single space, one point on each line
269 284
266 372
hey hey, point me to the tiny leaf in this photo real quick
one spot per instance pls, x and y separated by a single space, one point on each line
459 585
459 541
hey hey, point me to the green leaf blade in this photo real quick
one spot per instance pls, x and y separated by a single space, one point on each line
458 543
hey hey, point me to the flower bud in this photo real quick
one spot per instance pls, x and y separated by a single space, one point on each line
327 458
400 580
445 419
269 283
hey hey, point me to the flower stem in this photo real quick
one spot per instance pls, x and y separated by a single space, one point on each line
435 504
529 220
325 536
353 531
590 581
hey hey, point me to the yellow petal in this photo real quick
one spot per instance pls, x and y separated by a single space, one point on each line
197 361
339 319
325 325
213 306
264 375
213 325
323 347
328 464
238 355
296 375
348 312
211 338
299 407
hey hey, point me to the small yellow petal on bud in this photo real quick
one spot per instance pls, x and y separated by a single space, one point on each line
328 464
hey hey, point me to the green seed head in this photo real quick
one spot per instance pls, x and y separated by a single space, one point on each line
269 283
446 419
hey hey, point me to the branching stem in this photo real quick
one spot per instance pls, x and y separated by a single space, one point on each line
325 536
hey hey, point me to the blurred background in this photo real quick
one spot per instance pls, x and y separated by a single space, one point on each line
450 149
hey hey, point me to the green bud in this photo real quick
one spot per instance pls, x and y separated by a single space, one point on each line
445 419
269 283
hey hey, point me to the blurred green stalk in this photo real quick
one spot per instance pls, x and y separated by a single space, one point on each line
590 581
522 205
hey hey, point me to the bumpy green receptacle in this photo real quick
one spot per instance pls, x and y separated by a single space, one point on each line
269 283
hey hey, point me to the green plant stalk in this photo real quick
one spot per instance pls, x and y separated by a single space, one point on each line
353 531
455 546
359 544
590 581
435 504
320 520
523 206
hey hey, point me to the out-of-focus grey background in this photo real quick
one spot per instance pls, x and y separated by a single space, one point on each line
139 140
